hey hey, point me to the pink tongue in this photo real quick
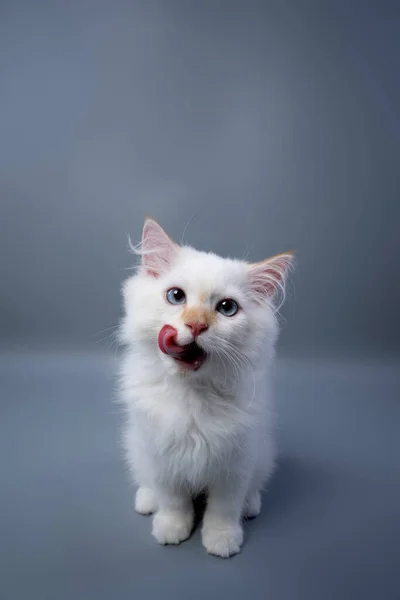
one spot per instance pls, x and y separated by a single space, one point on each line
166 341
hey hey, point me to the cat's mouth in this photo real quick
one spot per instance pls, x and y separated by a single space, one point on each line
191 356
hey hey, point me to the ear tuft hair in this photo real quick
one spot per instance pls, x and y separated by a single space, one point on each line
268 278
156 249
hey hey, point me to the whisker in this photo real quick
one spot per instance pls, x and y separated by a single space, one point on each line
234 357
104 330
187 225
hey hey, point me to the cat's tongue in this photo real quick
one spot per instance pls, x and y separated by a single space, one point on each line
166 341
189 356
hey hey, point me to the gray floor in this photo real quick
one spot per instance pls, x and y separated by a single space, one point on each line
330 524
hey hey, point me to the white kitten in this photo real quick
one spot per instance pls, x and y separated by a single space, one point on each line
199 332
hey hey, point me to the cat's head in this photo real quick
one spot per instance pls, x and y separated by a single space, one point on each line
197 312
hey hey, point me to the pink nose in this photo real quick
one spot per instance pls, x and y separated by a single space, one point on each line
197 328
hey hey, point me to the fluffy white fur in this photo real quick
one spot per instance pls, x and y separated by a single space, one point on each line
209 430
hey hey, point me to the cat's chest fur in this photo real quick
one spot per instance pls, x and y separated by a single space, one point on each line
191 430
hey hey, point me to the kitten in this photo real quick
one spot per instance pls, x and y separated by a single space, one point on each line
199 332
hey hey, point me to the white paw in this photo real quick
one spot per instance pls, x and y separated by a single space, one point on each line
172 528
223 541
252 508
146 501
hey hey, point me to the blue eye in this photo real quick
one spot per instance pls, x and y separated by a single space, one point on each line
227 307
176 296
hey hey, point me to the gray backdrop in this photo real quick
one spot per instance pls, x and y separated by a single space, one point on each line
259 127
271 125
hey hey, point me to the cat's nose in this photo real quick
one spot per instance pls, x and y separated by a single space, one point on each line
197 328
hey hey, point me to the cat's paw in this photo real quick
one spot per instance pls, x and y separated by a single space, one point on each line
223 541
252 507
145 501
172 528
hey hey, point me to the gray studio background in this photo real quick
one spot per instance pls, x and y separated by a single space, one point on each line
254 127
272 125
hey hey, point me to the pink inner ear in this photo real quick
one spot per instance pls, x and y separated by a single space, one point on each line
158 250
268 277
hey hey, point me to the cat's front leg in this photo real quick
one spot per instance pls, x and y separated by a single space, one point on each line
173 522
146 501
222 532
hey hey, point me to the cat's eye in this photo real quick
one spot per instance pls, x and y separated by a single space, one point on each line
227 307
176 296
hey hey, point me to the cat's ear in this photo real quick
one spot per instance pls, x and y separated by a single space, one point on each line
267 278
157 249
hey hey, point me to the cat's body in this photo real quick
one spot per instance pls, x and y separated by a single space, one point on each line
195 386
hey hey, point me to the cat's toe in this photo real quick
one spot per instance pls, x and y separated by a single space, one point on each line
172 528
224 542
145 501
